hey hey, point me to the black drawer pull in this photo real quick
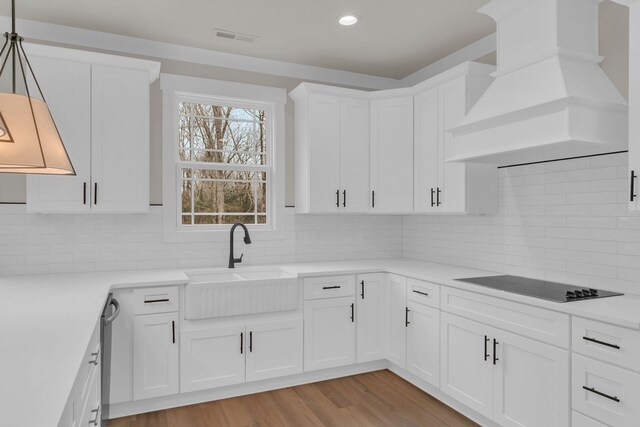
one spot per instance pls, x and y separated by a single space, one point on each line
486 354
601 342
495 354
337 198
353 313
250 341
433 192
151 301
599 393
406 317
95 193
84 193
331 287
633 182
344 198
362 294
438 197
241 342
173 331
373 199
421 293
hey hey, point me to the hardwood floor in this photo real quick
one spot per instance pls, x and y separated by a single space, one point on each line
374 399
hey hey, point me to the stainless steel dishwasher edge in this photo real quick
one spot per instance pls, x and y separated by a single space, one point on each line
109 314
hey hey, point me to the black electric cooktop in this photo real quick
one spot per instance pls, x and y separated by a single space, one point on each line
558 292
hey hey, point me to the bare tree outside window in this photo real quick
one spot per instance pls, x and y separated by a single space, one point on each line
224 165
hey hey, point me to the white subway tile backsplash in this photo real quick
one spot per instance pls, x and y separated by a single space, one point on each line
579 230
35 244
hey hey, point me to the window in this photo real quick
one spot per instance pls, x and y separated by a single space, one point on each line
223 158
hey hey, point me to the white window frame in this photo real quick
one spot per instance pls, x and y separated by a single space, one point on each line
177 88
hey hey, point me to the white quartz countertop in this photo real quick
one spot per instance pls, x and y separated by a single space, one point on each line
47 322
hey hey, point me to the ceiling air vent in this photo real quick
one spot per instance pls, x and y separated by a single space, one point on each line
232 35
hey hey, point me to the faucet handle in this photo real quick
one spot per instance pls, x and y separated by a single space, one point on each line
239 259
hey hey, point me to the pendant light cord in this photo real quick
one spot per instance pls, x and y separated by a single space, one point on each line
13 40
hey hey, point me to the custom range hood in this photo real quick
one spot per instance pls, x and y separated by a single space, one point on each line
550 98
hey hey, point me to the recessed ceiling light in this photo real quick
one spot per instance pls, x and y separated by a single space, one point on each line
347 20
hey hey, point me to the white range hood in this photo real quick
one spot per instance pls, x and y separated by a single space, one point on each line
550 99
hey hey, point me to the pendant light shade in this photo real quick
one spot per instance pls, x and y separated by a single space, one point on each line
29 139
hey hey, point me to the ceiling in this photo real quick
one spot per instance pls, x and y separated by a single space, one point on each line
394 38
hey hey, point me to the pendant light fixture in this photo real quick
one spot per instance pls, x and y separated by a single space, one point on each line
29 139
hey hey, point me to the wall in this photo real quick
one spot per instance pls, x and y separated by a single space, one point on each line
35 244
566 221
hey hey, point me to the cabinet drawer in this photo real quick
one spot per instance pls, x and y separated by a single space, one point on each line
579 420
611 395
533 322
329 287
612 344
90 366
92 411
423 292
155 300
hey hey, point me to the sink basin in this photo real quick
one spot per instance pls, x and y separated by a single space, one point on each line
252 290
208 276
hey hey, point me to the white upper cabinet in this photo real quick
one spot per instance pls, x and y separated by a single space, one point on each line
634 105
120 139
332 150
101 107
442 186
392 154
67 89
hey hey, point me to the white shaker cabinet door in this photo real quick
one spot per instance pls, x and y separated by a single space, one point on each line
427 139
329 333
531 383
371 301
67 90
466 365
324 153
397 320
120 140
274 349
155 355
354 155
423 342
212 357
392 155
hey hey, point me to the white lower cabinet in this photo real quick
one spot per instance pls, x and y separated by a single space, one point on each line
371 304
212 357
605 392
274 349
397 320
155 355
423 342
329 333
466 370
513 380
83 405
223 356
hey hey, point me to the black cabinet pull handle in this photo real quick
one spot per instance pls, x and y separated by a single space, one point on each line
421 293
495 354
433 192
151 301
250 341
633 185
362 288
486 354
173 331
438 197
84 193
95 193
406 317
241 342
331 287
353 313
601 342
337 198
373 199
344 198
599 393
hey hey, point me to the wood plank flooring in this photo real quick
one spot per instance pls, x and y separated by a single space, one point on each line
373 399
